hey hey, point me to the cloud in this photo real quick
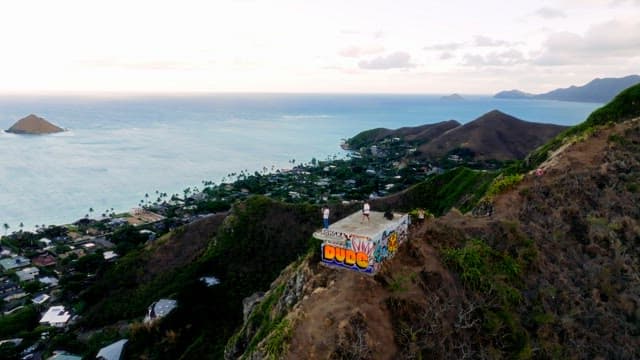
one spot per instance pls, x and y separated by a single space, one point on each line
613 39
503 58
396 60
445 46
357 51
349 32
446 55
550 13
142 65
485 41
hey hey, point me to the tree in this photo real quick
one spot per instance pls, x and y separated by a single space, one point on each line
21 226
6 228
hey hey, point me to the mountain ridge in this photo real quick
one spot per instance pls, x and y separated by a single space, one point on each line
492 136
600 90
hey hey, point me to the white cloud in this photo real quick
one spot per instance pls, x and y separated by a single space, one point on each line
485 41
550 13
450 46
602 41
446 55
503 58
357 51
396 60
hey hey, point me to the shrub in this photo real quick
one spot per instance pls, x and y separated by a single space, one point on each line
503 183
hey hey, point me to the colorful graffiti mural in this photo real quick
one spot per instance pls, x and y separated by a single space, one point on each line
362 253
346 258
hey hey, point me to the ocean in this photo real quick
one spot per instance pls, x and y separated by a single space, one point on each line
120 148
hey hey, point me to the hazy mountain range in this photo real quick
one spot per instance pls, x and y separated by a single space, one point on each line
597 90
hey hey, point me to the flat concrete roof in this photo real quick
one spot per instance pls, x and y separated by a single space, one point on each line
354 224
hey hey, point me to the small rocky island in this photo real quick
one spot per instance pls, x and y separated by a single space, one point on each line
452 97
35 125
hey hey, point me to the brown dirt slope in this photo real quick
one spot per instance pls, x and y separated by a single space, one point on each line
552 274
494 135
33 124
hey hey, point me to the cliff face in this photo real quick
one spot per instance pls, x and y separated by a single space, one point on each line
551 273
33 124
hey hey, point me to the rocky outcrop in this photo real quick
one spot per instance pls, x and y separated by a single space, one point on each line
34 125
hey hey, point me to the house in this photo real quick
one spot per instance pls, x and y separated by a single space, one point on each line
40 299
160 309
109 255
49 281
14 262
9 290
28 274
113 351
361 246
149 234
210 280
44 260
56 316
63 355
45 241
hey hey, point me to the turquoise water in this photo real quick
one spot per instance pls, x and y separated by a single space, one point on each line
117 149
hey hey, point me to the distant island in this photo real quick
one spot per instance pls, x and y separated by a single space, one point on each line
34 125
597 90
452 97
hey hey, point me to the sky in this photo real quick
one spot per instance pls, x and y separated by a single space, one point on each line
310 46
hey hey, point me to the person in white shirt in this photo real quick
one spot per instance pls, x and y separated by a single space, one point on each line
366 209
325 217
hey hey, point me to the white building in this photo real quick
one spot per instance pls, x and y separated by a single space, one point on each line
160 309
113 351
56 316
360 244
28 274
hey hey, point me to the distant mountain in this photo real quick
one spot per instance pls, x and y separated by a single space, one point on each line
418 134
495 135
452 97
33 124
597 90
512 94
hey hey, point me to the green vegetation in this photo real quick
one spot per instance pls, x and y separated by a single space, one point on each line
366 137
20 321
624 106
277 341
461 188
497 276
503 183
485 269
262 321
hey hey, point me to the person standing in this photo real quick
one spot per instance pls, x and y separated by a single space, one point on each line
325 217
366 210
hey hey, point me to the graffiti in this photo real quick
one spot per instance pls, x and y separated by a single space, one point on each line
362 253
343 235
364 246
338 256
392 241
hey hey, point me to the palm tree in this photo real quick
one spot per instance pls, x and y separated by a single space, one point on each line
21 226
6 228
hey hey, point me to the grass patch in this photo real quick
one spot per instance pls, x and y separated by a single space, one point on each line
503 183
